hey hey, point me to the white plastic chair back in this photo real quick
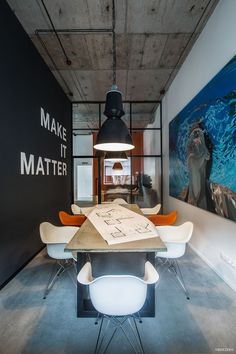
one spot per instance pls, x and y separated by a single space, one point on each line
119 201
151 211
175 238
86 210
56 250
56 237
76 210
118 295
174 250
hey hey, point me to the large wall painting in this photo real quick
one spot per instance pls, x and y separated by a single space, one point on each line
202 144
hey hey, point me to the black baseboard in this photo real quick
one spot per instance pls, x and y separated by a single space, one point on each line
18 270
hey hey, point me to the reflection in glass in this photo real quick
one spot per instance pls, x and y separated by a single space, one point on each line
85 116
148 183
138 182
140 179
84 192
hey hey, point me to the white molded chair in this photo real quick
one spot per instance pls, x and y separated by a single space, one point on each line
55 238
119 201
118 298
151 211
76 210
175 238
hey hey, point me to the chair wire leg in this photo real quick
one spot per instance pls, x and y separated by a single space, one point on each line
52 279
118 323
99 333
75 267
112 335
72 277
180 278
67 267
99 345
97 318
139 318
62 267
68 264
139 338
125 334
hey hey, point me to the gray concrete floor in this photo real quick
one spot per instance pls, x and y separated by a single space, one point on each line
205 324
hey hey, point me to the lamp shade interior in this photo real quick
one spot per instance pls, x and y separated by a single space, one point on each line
117 166
115 156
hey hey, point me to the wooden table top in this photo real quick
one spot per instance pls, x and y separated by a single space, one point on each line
88 239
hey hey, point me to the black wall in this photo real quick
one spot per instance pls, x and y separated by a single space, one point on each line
26 85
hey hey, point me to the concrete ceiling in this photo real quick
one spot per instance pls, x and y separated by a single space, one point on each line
153 37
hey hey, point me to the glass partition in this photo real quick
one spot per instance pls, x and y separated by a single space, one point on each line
146 190
83 181
139 178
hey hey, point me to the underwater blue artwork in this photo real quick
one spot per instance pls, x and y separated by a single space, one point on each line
202 147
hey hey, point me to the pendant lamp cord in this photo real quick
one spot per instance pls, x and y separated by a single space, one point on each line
114 41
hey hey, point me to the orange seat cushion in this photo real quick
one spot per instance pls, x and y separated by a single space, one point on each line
71 220
164 219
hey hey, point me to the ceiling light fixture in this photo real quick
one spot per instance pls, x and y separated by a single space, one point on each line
114 134
117 166
115 156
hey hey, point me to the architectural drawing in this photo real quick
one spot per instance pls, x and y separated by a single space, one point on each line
117 224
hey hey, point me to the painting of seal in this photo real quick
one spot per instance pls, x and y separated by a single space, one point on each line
198 156
202 147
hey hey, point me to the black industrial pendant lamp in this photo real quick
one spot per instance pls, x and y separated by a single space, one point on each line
113 156
114 134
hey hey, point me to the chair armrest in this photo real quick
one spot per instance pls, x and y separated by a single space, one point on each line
151 276
151 211
86 210
85 275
